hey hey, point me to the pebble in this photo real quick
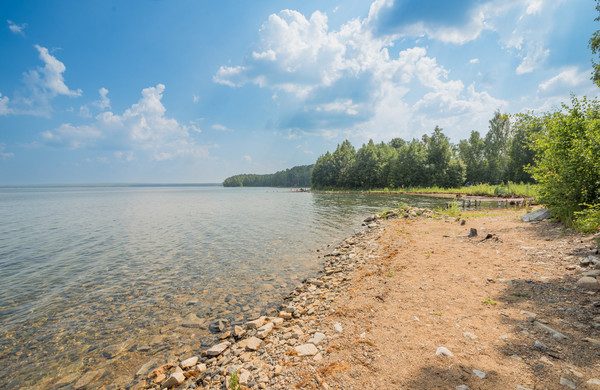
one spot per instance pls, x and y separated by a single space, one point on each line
469 335
317 338
306 350
593 381
480 374
443 351
175 379
187 363
338 327
253 343
218 349
588 283
462 387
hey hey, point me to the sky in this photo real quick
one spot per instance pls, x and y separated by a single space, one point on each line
190 91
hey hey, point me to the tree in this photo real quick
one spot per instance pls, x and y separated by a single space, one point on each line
472 153
495 147
594 44
567 161
520 152
438 156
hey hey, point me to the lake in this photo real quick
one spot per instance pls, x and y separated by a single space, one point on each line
109 277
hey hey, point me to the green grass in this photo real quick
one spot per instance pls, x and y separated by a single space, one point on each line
234 381
490 301
505 190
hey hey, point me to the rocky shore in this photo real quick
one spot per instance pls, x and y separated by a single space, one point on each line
261 352
330 332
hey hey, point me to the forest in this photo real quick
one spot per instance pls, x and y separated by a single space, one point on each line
294 177
432 161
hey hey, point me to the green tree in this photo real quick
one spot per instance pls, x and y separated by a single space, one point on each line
471 151
496 146
520 152
343 161
567 161
594 44
438 156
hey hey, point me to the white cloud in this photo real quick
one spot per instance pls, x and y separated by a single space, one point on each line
41 86
4 155
534 59
16 28
50 78
534 6
569 78
474 61
143 127
84 112
196 99
247 158
104 102
4 109
219 127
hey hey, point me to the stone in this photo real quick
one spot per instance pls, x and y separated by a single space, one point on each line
139 386
192 321
472 233
462 387
443 351
146 367
218 326
589 283
175 379
480 374
306 350
264 330
592 341
519 387
318 357
539 345
285 315
253 343
593 381
238 331
568 383
537 215
88 378
317 338
469 335
218 349
545 328
187 363
338 327
244 377
201 368
592 273
257 323
224 335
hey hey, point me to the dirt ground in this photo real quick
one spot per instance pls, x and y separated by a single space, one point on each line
486 301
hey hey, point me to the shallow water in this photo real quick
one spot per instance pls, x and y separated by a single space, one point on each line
110 277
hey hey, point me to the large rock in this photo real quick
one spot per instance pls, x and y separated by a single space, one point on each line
257 323
218 349
264 330
537 215
187 363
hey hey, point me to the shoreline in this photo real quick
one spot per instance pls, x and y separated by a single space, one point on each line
330 331
260 351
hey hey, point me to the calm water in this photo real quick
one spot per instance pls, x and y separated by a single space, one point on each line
110 277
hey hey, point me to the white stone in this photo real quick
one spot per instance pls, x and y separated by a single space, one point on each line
593 381
218 349
264 330
443 351
589 283
469 335
317 338
306 350
568 383
257 323
187 363
462 387
480 374
253 343
338 327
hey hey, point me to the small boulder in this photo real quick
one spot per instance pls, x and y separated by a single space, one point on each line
187 363
588 282
537 215
306 350
175 379
218 349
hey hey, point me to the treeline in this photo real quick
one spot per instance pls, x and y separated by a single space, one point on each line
433 160
294 177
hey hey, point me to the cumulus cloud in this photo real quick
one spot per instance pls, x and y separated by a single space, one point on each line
18 29
219 127
42 85
346 81
143 127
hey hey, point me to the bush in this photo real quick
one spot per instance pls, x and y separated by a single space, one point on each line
567 162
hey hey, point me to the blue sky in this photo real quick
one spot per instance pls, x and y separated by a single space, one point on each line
196 91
